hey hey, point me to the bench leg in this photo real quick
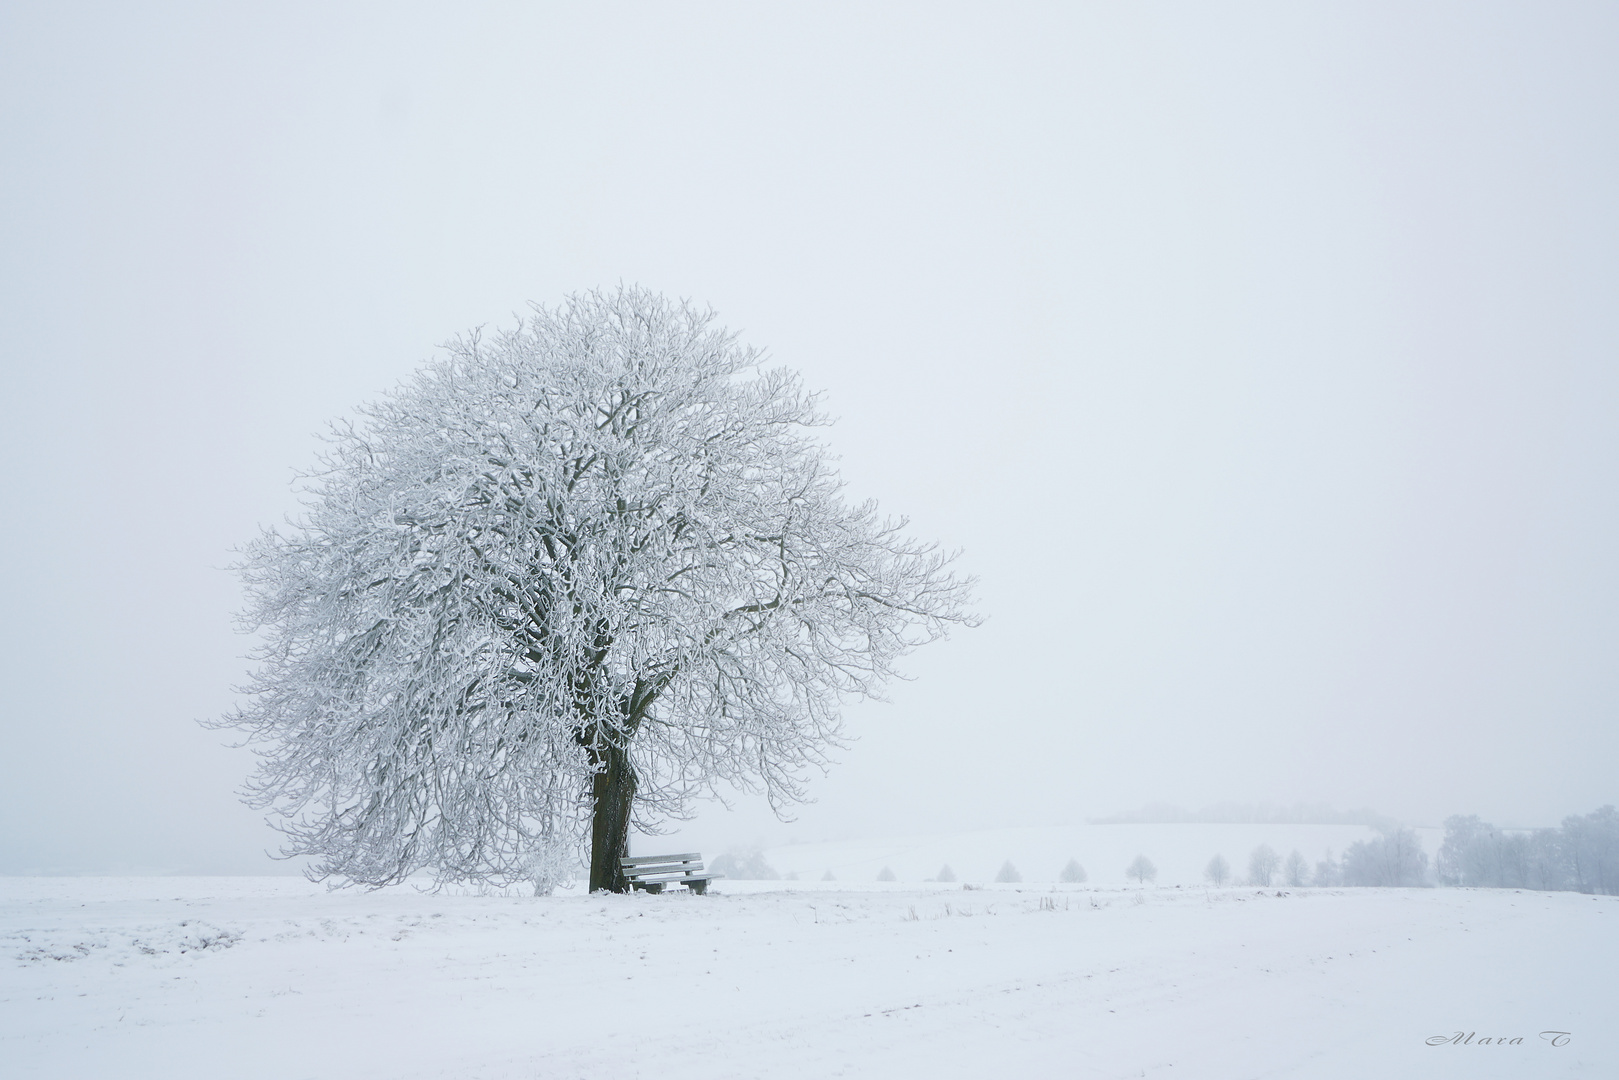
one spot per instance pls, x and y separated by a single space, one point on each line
698 887
654 887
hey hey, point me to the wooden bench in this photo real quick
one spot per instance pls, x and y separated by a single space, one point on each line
653 872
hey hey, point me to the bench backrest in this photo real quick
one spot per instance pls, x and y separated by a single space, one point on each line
660 865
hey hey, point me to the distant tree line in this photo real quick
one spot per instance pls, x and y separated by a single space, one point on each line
1394 857
1582 855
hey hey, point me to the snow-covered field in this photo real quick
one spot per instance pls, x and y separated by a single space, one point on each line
273 977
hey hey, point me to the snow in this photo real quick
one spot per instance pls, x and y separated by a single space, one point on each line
274 977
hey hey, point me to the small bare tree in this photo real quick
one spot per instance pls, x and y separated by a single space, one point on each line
1218 871
1008 873
1073 873
1142 870
1295 870
1262 865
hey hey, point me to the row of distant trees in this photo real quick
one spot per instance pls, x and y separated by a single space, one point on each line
1582 855
751 866
1263 868
1393 858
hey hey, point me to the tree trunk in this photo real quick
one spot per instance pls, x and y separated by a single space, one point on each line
613 789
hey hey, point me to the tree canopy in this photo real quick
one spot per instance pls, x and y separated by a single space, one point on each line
587 569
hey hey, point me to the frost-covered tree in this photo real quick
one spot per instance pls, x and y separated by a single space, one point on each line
1218 871
1262 864
1548 860
581 571
1073 873
885 874
1394 858
1326 871
551 865
1592 846
1476 853
1515 858
1470 852
1583 854
945 873
1008 873
1295 869
1142 869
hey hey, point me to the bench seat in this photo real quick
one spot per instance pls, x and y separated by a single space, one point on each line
653 872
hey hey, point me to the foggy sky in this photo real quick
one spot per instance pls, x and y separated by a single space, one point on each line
1260 359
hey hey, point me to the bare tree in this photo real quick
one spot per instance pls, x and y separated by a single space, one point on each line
945 873
1218 871
1394 858
1073 873
1471 853
585 570
1548 860
1592 846
1515 857
1142 869
1008 873
1262 864
1295 869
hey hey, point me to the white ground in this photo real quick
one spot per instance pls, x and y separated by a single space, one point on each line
272 977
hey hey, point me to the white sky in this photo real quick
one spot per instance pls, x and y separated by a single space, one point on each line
1261 358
